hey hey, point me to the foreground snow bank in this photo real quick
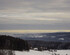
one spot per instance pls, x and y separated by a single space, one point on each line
32 52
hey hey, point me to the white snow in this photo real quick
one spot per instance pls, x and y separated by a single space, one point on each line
61 38
32 52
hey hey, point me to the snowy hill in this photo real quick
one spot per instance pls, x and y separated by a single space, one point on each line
32 52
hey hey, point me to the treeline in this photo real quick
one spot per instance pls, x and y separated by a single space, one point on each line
49 45
12 43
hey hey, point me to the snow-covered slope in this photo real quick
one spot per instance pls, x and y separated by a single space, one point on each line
32 52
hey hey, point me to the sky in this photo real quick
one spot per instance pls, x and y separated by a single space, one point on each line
34 15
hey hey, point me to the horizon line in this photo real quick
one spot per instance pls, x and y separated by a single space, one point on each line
33 31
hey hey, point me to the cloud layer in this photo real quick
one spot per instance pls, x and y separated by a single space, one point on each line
35 14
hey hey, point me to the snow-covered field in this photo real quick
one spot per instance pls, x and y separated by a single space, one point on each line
32 52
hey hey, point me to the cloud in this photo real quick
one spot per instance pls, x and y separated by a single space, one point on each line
34 14
35 18
36 5
53 16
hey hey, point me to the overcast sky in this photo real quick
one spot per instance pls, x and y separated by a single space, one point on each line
35 14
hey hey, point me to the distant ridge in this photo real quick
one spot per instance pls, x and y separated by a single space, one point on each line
57 37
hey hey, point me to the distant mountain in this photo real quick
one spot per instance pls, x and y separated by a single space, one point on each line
60 36
60 40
